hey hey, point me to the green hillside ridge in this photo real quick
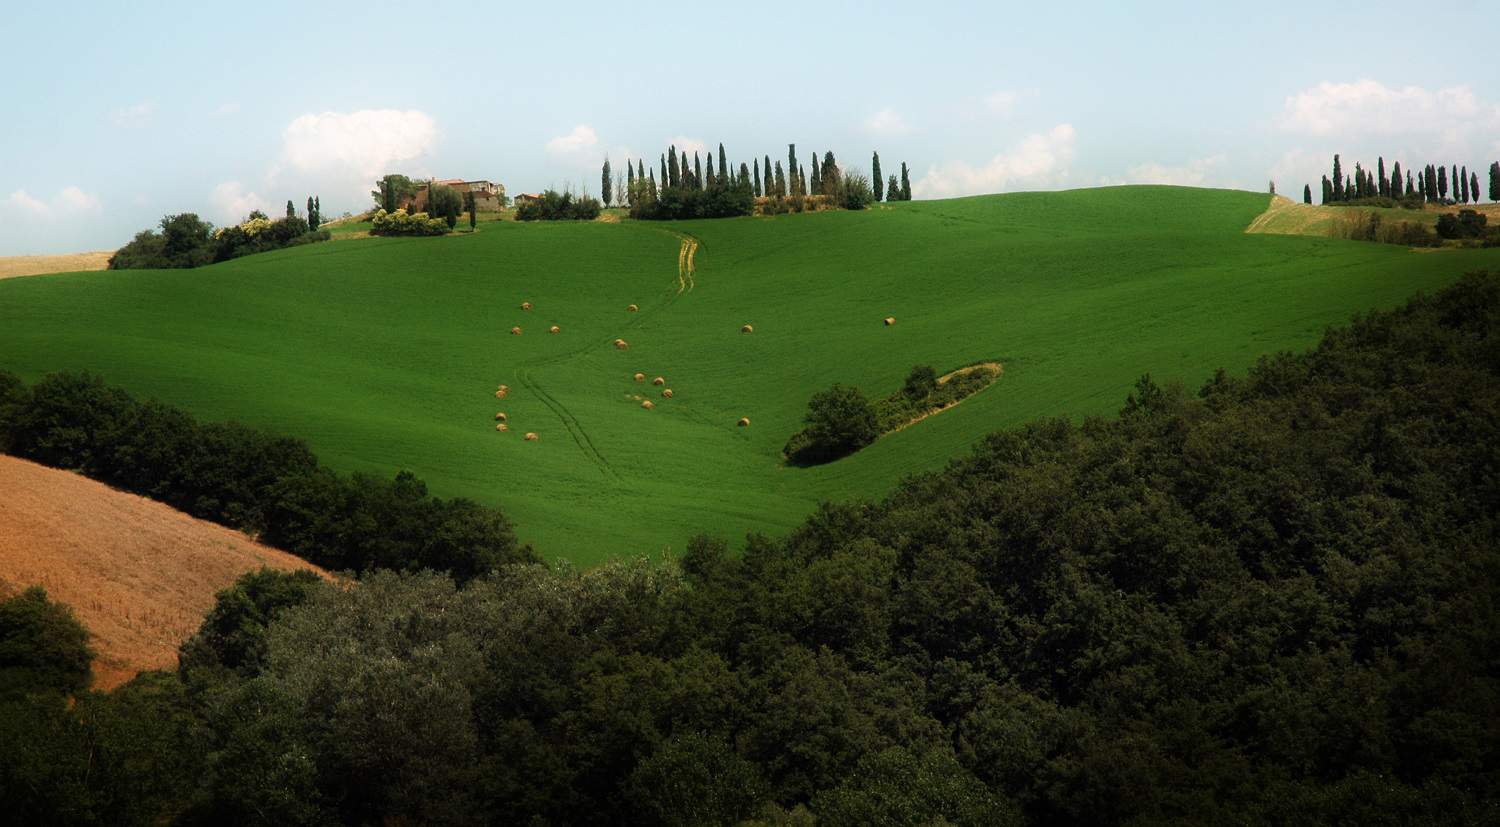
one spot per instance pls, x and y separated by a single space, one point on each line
385 353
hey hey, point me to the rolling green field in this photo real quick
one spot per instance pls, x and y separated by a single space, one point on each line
385 353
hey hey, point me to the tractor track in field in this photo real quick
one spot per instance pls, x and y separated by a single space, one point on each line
570 423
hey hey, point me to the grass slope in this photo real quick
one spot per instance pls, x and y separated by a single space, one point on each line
385 353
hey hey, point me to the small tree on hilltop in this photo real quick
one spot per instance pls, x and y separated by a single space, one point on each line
893 189
291 211
757 178
606 183
905 184
1307 193
876 182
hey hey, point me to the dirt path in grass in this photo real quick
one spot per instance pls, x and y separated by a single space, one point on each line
995 369
138 574
13 266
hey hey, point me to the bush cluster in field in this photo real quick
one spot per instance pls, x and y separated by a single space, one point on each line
185 240
1269 603
268 485
401 222
558 206
841 420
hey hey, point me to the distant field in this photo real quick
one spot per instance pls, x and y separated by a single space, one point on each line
138 575
11 266
1288 217
386 353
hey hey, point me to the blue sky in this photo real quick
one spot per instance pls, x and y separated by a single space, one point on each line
153 108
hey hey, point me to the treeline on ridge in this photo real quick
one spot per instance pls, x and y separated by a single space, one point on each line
269 486
185 240
1372 188
1269 603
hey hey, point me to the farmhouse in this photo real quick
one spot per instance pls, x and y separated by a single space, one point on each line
527 198
488 196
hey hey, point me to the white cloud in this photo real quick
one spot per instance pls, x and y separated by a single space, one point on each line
1002 102
688 145
365 143
574 146
69 202
1037 160
1195 173
228 108
887 122
231 203
135 115
1367 107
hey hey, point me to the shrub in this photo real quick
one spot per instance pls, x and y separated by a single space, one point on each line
921 382
185 241
717 201
839 422
43 648
559 206
444 203
854 191
1467 224
401 222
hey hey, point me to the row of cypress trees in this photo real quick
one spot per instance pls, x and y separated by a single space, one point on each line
1432 183
760 177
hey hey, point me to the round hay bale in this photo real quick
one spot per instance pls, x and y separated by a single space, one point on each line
890 320
504 388
648 404
554 329
501 417
531 436
747 329
515 331
501 394
744 421
667 393
502 427
640 377
525 305
621 344
658 381
631 309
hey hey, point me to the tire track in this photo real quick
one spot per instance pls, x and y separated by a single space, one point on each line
570 423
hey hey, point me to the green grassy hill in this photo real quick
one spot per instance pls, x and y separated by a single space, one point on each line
385 353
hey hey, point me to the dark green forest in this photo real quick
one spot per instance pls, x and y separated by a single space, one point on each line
1270 601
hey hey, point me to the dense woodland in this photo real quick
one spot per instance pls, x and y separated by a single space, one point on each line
1271 601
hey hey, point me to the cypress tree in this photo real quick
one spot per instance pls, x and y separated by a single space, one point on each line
1463 180
892 189
801 181
724 170
697 171
817 178
1359 181
757 178
875 180
791 160
1495 181
769 184
1348 187
1395 189
669 171
469 202
1410 188
605 187
1474 186
711 180
1442 175
1385 183
830 175
1338 180
780 181
905 184
291 211
1307 193
1327 190
1453 179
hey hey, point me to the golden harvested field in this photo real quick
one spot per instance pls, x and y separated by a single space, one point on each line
139 575
12 266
